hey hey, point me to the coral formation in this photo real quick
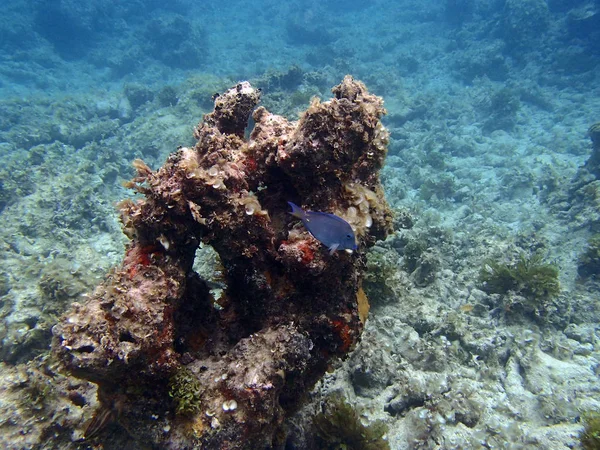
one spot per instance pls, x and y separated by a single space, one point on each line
524 21
41 405
584 192
383 282
593 163
501 112
176 41
589 262
420 256
288 306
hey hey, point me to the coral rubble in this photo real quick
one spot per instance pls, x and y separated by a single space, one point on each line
289 306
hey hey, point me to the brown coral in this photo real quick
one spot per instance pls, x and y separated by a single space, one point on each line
289 306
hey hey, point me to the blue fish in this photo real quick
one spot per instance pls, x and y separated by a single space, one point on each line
332 231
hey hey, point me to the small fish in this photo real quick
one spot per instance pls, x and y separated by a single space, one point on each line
105 415
332 231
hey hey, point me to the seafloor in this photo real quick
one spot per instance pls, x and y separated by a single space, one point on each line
489 105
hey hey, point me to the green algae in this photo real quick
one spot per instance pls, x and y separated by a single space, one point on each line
590 438
530 277
339 427
186 391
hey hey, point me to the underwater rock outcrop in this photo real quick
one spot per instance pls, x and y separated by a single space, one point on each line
178 368
593 162
583 202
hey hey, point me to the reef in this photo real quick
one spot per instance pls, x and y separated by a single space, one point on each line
584 192
588 265
593 162
178 368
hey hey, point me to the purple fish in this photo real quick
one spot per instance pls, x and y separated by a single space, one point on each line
332 231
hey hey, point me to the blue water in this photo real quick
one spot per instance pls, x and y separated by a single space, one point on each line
488 108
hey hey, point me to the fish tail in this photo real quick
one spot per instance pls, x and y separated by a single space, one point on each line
296 210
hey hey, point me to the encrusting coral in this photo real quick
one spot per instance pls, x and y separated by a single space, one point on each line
289 306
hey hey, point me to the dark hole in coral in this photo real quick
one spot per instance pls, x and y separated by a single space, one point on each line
470 420
31 321
86 349
126 336
195 319
401 404
77 398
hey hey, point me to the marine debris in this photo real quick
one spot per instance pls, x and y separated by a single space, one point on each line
190 370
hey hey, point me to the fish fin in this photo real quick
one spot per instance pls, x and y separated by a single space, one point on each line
296 210
333 248
101 419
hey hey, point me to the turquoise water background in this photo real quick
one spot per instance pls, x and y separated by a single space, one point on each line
488 104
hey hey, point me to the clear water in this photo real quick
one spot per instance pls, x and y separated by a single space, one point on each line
489 105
